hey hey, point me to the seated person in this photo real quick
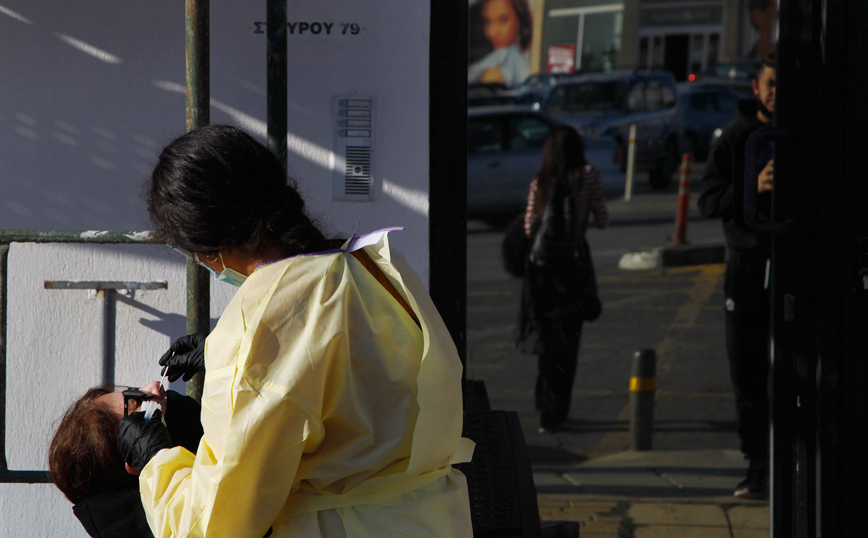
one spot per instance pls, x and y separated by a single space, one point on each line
87 466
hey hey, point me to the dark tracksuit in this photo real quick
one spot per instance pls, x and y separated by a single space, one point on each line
747 297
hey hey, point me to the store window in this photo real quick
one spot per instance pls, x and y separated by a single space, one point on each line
642 62
601 37
697 47
595 32
681 53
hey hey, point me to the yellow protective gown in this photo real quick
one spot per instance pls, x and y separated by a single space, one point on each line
327 412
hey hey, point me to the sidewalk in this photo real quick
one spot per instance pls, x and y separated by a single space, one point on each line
584 472
681 494
671 494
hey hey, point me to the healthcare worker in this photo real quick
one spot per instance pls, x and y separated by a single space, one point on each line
332 399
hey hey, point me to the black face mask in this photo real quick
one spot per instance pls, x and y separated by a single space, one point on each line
766 112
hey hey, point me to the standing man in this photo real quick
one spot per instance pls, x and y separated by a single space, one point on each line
746 281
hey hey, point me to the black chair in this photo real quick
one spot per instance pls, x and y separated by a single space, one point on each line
503 500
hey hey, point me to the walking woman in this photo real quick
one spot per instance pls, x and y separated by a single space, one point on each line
332 399
554 294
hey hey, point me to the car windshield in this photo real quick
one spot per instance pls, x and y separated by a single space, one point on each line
587 97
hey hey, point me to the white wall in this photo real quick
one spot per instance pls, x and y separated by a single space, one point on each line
89 93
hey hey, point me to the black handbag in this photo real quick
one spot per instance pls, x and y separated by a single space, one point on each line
560 251
514 247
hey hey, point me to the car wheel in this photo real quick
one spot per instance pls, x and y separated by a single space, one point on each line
660 177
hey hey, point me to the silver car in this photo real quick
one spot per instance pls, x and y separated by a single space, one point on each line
505 153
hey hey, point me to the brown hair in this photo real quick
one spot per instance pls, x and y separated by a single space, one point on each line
84 458
562 153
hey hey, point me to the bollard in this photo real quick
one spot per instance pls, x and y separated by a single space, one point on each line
680 236
643 385
631 161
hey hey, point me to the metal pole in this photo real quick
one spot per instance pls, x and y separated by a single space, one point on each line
97 237
4 264
198 115
28 477
643 386
198 64
631 163
276 88
110 310
447 150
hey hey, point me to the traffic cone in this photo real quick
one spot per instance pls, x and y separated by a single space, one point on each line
680 236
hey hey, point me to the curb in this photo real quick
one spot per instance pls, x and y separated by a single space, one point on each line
693 255
679 256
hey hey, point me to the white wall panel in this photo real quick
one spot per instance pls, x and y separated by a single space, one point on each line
89 93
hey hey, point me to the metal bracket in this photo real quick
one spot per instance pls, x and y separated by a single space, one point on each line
108 290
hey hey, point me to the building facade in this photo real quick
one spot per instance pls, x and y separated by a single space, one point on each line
682 36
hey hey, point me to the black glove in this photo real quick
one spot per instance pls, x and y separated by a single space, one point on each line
185 356
139 439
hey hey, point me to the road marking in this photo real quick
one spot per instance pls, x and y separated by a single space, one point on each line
704 284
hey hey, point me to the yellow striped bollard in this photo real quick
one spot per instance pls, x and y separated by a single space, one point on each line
643 385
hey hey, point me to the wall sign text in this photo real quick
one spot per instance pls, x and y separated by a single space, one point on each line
315 29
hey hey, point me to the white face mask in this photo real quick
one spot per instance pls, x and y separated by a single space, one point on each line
228 275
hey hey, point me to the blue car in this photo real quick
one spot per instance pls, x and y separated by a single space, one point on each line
607 104
706 108
505 153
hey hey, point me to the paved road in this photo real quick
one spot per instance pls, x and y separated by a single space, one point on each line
675 311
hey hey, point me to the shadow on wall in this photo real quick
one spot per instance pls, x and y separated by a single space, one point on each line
79 125
82 117
165 323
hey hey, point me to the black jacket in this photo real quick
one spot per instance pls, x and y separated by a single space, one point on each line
722 187
119 513
114 514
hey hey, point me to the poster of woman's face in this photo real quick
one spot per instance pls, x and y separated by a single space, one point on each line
501 32
763 28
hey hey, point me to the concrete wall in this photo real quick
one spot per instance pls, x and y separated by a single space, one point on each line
629 36
732 31
89 93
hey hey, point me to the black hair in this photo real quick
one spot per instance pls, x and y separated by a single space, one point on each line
563 152
216 187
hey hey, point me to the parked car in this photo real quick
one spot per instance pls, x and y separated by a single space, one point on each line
607 104
734 75
532 92
505 153
535 88
705 108
489 94
493 99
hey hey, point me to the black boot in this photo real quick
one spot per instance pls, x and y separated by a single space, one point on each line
756 484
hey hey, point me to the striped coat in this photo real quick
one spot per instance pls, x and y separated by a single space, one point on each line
588 198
